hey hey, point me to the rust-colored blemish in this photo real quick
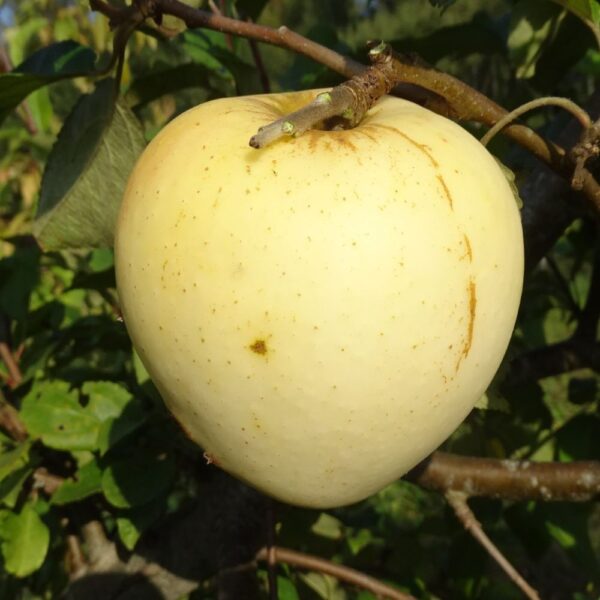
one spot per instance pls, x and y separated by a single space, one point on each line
361 131
342 138
469 253
445 188
422 147
259 347
313 139
472 291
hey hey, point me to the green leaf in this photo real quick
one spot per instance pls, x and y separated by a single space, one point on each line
324 586
209 49
52 412
86 483
134 522
359 540
11 486
25 540
442 3
114 430
19 275
562 536
405 505
286 589
493 400
101 259
328 527
114 406
107 400
586 10
13 459
135 481
57 61
533 25
19 38
478 36
87 171
15 468
167 81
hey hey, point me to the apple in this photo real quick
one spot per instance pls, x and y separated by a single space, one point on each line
321 314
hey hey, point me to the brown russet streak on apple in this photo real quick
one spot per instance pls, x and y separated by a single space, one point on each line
259 347
472 291
426 150
445 188
469 253
422 147
324 139
363 130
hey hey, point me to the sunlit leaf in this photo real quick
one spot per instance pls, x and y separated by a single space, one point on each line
53 412
87 481
25 540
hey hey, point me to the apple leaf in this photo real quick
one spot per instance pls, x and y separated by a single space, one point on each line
533 26
52 63
132 523
87 171
138 480
13 459
54 413
25 540
86 483
12 486
586 10
209 49
286 589
155 84
15 467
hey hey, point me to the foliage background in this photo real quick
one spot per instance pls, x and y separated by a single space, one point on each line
94 418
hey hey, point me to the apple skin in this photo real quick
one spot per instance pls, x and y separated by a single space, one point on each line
321 314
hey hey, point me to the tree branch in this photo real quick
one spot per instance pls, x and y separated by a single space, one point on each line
10 420
16 377
461 100
458 501
577 481
320 565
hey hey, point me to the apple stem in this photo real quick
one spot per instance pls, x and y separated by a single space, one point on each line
341 108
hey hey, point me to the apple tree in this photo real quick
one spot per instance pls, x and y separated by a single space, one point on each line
102 494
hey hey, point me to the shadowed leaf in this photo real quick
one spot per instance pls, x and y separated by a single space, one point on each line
86 173
57 61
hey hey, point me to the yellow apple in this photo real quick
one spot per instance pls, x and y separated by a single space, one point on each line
321 314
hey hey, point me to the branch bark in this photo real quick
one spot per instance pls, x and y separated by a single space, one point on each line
320 565
458 501
509 479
